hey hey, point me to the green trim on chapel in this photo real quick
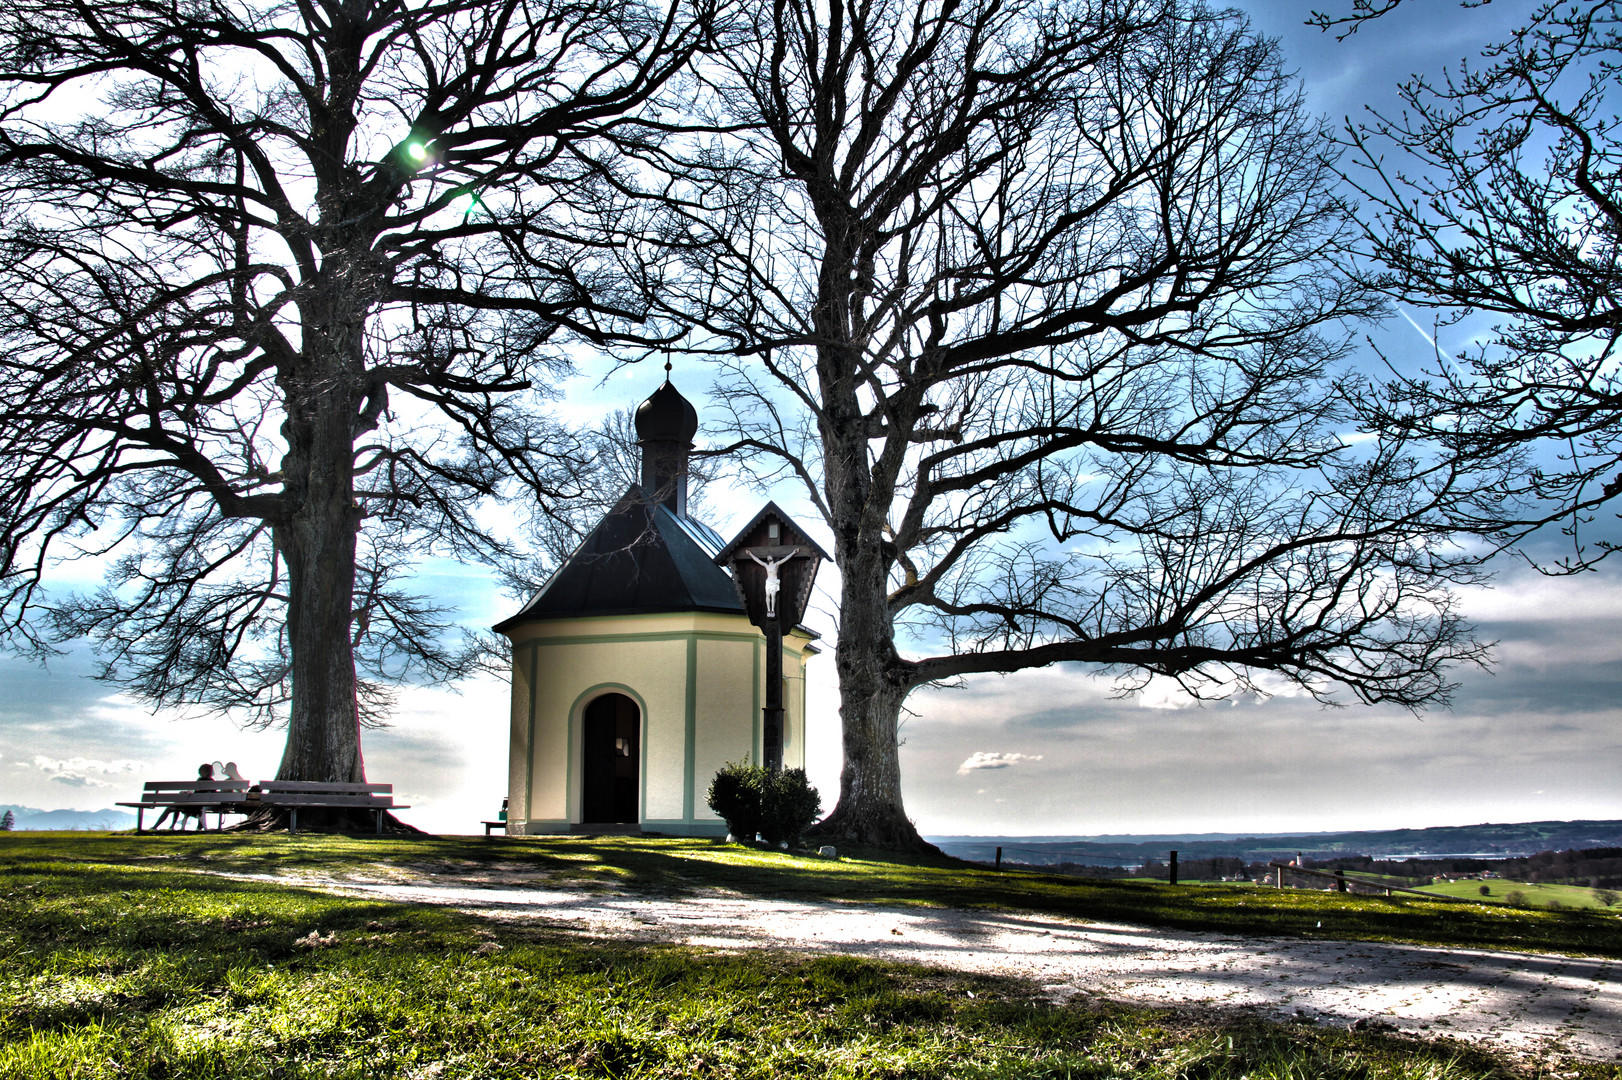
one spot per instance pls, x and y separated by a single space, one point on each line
690 733
529 758
647 635
758 739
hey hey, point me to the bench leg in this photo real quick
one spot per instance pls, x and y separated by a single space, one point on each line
378 816
139 811
292 820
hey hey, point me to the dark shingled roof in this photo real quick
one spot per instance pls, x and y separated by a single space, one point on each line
640 559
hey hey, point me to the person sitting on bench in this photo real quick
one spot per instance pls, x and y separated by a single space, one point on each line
175 815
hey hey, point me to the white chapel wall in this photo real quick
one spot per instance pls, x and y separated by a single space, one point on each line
562 665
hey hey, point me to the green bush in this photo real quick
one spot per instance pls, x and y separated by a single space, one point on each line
778 806
789 806
735 795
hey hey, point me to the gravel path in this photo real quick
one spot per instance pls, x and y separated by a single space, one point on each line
1523 1002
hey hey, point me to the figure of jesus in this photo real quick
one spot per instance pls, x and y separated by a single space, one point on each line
772 583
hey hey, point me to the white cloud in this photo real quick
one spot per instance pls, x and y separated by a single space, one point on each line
78 780
76 772
87 765
1528 597
1164 693
982 760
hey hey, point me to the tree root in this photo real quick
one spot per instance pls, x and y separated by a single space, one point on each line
323 819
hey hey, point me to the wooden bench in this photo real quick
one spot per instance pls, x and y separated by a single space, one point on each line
488 825
198 797
295 794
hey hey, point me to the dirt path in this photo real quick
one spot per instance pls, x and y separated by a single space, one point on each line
1517 1001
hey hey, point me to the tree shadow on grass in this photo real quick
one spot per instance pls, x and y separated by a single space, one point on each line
133 952
680 867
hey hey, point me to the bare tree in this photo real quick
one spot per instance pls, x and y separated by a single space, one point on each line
274 277
1495 191
1037 302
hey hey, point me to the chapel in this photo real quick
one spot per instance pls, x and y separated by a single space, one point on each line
636 672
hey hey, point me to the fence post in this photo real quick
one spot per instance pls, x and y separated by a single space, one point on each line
1278 877
999 858
1171 869
1340 881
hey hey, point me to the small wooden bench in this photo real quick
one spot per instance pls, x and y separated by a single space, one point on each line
294 794
488 825
198 797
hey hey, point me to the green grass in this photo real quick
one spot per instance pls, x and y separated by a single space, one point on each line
1534 894
122 957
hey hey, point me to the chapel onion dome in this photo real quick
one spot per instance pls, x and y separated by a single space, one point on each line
666 417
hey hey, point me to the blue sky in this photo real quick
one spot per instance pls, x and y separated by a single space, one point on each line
1041 752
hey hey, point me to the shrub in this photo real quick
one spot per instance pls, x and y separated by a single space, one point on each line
780 806
1486 890
1608 897
1515 897
789 805
735 795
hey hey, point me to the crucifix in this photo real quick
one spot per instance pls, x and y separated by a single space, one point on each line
773 565
772 584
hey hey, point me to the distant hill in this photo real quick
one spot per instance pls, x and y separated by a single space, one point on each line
1486 841
33 819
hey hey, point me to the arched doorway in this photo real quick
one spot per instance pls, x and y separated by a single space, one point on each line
611 730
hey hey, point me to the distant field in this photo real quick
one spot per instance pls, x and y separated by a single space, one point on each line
1571 896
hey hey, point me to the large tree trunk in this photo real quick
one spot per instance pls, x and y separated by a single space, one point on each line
318 547
873 679
323 736
870 811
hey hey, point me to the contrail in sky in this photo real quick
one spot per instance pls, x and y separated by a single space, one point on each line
1428 339
1431 342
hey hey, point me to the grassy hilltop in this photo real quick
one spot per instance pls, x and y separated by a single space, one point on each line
137 957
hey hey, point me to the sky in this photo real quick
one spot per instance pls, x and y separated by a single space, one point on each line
1045 752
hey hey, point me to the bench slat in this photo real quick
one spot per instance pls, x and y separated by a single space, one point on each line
271 798
316 786
196 785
